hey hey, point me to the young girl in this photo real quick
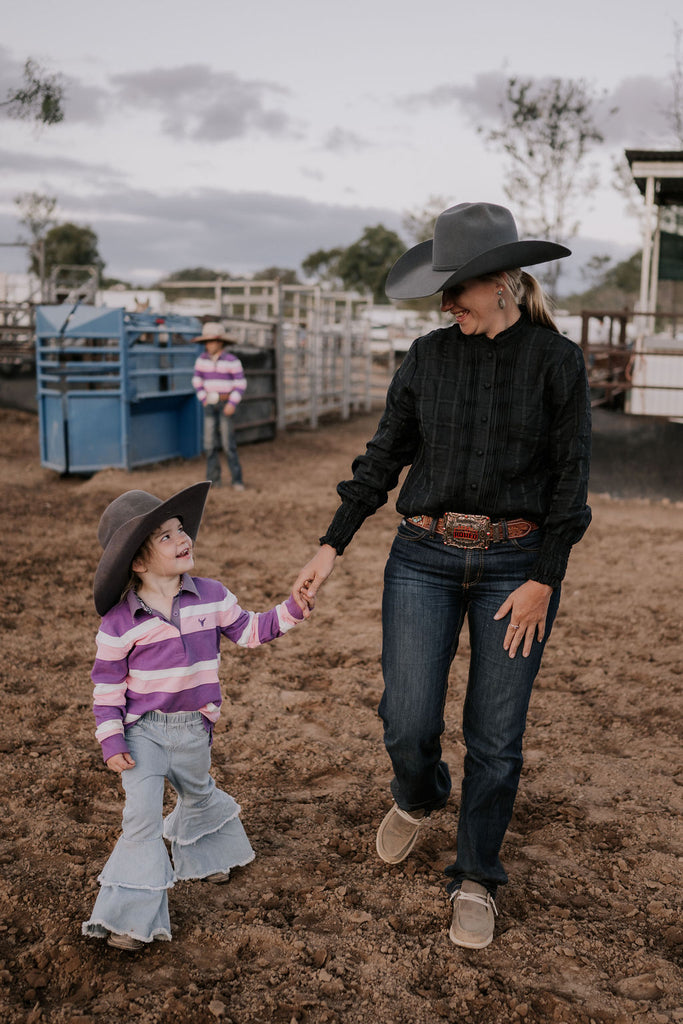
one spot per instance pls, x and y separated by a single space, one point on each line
157 697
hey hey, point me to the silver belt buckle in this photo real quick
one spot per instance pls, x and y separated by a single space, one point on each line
462 531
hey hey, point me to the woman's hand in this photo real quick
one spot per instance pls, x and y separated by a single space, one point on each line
528 608
120 762
312 577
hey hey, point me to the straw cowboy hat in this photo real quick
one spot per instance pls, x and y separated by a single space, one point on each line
214 331
125 525
470 240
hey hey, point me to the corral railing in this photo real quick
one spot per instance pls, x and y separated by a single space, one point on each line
634 360
322 344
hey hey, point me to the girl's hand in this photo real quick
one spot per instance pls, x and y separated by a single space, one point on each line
309 601
528 608
228 409
312 577
120 762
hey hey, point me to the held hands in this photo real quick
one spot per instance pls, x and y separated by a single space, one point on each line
120 762
312 577
528 607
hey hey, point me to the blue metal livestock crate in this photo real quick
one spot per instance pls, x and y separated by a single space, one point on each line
115 388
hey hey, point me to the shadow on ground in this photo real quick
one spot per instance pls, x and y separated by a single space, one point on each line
636 456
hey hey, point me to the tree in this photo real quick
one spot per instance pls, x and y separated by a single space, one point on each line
419 224
70 245
547 131
282 274
196 274
365 264
40 98
322 265
675 112
36 212
617 287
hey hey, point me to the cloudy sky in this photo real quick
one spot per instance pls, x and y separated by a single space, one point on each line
243 135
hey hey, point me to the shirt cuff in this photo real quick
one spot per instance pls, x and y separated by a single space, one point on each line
112 745
551 565
347 520
293 608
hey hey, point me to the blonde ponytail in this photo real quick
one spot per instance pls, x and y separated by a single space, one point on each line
526 291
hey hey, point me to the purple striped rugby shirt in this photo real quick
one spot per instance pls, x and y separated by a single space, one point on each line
146 663
223 375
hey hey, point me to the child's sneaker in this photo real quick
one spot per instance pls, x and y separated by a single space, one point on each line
121 941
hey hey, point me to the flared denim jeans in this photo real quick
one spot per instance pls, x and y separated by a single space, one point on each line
429 589
219 433
204 829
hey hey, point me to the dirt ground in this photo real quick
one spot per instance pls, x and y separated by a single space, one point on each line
317 929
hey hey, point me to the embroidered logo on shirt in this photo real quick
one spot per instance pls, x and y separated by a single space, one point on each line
202 621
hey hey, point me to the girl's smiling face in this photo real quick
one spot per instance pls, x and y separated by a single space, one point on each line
167 553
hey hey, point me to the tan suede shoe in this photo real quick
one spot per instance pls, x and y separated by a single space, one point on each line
398 834
474 913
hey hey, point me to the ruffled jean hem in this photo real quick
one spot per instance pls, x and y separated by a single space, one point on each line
185 825
220 870
218 850
96 929
141 913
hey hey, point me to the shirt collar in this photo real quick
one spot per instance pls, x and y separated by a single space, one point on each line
137 605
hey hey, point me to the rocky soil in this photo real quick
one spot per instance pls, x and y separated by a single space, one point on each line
317 929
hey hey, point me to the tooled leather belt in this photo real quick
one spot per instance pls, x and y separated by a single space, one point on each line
464 531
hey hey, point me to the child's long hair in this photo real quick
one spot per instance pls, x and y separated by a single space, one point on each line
134 581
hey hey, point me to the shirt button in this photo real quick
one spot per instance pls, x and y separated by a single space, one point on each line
487 387
480 451
484 419
489 355
473 487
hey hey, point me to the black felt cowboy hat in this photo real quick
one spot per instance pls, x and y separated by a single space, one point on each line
470 240
125 525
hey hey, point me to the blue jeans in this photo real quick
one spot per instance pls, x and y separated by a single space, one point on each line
204 829
429 587
219 433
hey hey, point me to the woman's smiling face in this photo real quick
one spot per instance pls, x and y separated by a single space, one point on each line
474 305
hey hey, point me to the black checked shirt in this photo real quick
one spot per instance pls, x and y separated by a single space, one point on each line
497 427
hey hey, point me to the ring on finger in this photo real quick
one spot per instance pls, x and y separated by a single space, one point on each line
513 627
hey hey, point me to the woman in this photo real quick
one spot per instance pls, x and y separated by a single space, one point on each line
492 415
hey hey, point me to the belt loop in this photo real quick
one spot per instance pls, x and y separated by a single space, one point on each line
506 532
433 526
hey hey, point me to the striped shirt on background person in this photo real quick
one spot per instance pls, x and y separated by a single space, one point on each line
223 376
145 662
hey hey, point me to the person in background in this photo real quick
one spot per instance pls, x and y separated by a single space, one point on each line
157 697
492 415
220 383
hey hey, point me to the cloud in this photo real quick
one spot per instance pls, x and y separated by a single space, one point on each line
340 140
198 103
27 163
633 113
641 117
240 232
481 98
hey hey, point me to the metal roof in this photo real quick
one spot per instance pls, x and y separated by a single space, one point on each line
666 166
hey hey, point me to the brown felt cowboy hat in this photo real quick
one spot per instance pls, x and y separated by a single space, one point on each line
125 525
214 331
470 240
